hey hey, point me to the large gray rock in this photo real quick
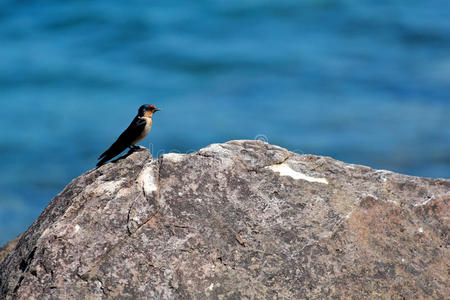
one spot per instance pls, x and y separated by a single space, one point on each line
240 220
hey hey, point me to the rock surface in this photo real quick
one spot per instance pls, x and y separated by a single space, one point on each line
8 247
240 220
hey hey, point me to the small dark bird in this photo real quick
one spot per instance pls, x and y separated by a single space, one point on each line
136 132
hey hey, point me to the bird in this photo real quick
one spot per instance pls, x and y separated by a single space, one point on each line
136 132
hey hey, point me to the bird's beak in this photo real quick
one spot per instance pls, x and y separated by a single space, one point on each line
157 109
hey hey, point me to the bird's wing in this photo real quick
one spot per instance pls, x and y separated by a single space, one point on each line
124 140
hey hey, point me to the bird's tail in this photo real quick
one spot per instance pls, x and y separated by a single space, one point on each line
114 150
102 162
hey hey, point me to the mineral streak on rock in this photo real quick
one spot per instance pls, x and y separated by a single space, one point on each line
285 170
238 220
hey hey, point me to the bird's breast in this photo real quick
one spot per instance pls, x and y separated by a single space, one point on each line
148 126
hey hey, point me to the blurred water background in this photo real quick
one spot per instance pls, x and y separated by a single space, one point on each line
366 82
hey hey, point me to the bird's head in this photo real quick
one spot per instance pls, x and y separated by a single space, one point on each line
147 110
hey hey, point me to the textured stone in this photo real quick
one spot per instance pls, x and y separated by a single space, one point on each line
240 220
8 247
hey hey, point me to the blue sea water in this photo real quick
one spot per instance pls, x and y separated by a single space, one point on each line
365 82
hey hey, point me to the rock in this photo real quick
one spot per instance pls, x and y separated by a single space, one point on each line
240 220
8 247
